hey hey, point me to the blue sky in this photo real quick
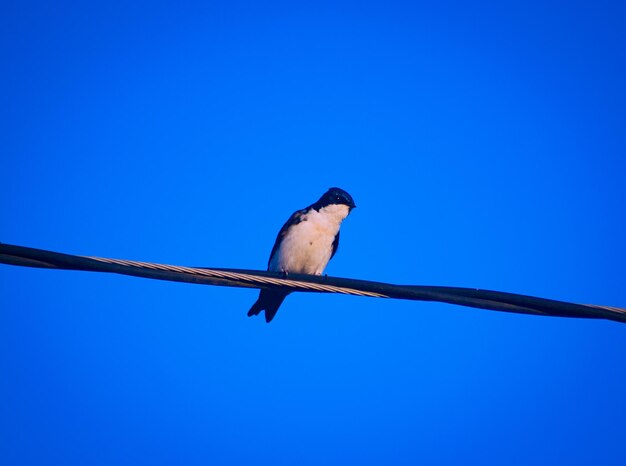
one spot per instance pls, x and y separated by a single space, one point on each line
483 144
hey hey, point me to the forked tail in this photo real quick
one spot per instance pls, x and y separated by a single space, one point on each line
269 301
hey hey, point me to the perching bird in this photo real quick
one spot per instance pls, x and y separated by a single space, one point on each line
305 244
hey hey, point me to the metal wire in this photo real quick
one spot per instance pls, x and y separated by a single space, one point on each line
239 277
484 299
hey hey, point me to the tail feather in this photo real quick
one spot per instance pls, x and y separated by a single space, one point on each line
269 301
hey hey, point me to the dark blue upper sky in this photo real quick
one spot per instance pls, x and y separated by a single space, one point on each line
484 144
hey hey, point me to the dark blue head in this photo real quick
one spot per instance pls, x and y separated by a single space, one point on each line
335 196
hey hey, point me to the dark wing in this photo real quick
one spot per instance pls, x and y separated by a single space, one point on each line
335 245
295 218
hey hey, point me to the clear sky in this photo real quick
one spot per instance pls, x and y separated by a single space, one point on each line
484 144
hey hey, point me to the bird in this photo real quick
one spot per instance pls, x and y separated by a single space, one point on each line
305 244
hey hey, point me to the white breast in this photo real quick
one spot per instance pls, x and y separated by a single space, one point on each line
308 245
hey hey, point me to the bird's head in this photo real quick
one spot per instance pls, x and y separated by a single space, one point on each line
335 196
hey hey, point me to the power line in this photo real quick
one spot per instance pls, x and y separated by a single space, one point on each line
483 299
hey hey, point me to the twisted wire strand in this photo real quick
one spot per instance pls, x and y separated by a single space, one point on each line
239 276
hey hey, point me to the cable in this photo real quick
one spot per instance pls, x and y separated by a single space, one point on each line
483 299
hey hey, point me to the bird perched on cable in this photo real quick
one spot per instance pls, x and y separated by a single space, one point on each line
305 244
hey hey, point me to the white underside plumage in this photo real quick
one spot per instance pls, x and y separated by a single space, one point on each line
307 247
